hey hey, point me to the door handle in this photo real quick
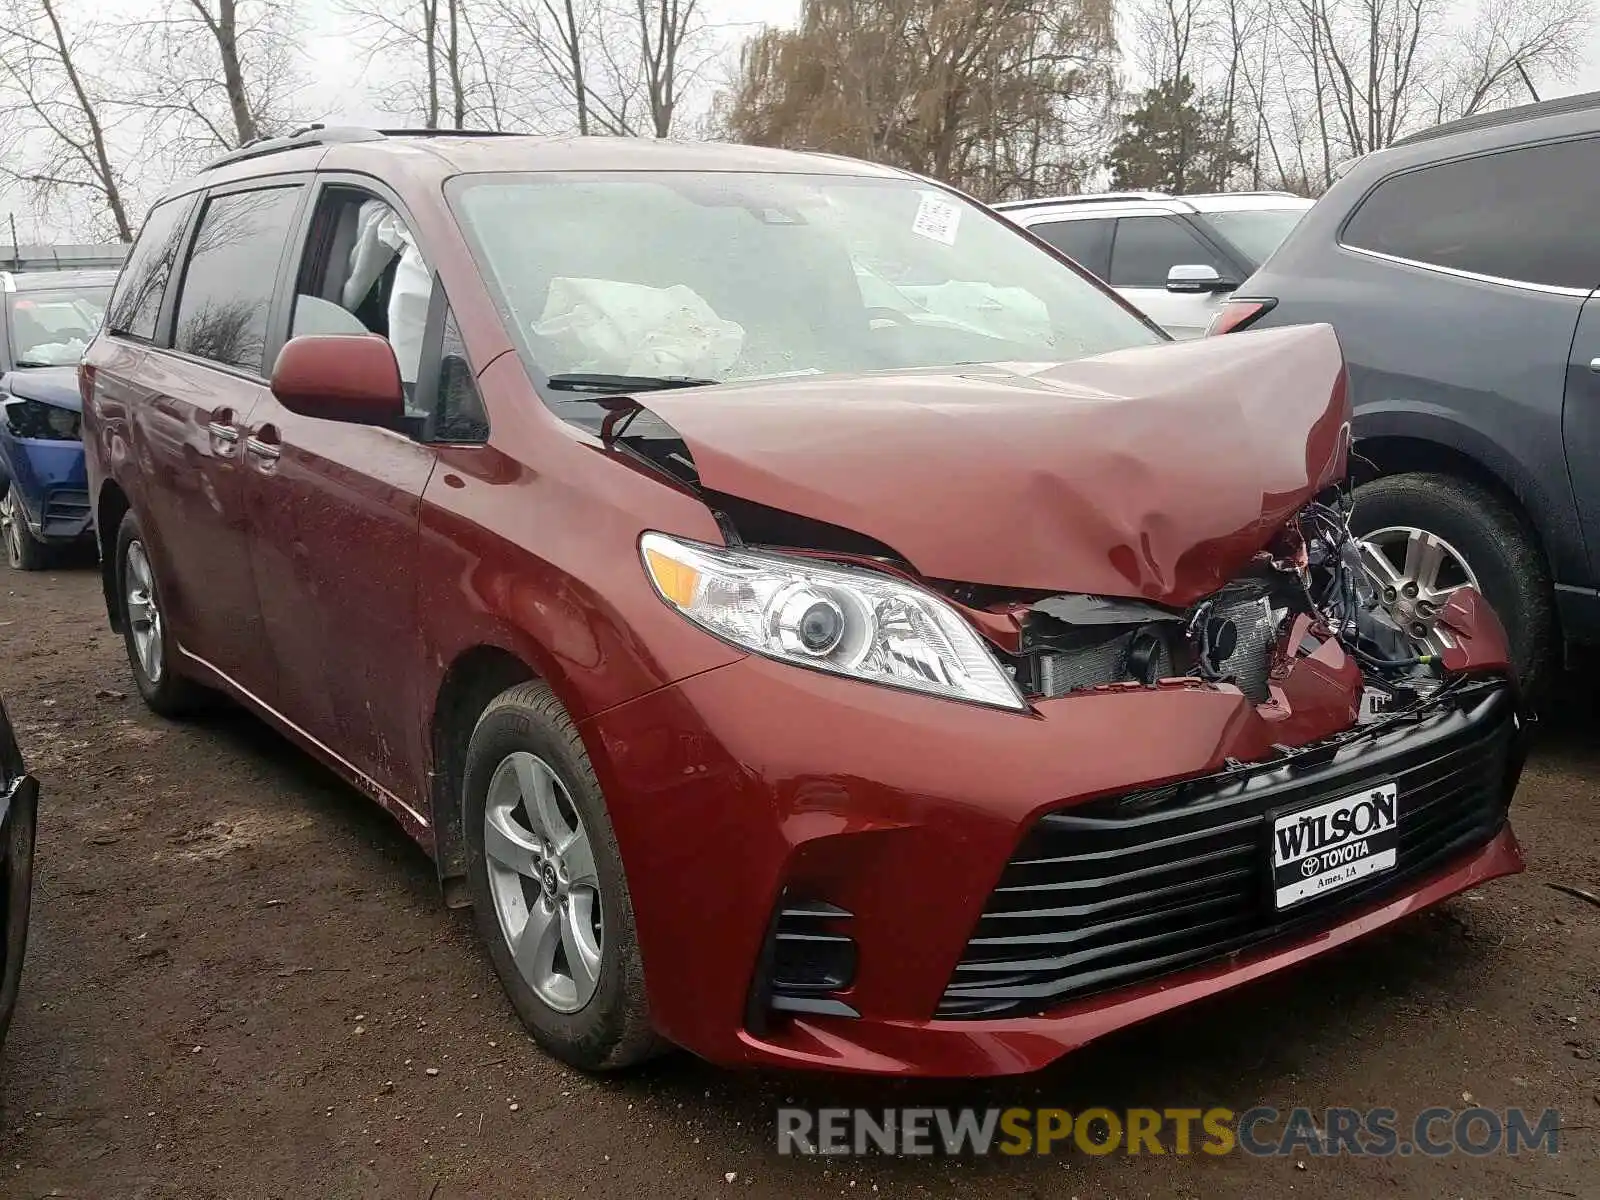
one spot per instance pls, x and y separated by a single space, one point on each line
220 426
264 444
1594 365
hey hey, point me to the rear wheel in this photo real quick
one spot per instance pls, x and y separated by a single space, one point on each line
548 891
145 632
23 551
1424 535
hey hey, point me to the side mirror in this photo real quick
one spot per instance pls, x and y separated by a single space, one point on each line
1196 277
340 378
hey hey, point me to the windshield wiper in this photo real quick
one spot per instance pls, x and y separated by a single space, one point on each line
619 385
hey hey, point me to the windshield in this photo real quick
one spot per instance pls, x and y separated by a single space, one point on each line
737 276
53 328
1255 232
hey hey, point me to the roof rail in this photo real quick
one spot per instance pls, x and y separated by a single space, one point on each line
1214 195
1097 198
483 133
327 135
309 135
1505 116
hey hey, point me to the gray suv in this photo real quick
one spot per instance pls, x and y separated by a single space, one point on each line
1459 268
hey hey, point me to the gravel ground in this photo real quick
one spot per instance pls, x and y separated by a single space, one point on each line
241 983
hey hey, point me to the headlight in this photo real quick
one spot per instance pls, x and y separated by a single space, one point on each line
31 419
831 618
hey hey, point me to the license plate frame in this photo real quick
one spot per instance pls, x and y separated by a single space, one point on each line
1312 854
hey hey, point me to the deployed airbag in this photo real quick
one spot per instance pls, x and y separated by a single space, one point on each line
607 326
1002 312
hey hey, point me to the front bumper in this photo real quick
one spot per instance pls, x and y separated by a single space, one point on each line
51 481
757 794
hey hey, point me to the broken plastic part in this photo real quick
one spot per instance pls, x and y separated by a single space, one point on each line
1102 610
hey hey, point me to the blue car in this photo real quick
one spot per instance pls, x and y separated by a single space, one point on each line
47 318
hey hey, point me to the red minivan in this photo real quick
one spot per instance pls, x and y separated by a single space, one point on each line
808 619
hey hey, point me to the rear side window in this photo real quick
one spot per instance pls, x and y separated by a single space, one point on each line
136 303
1147 248
1523 215
1087 243
232 274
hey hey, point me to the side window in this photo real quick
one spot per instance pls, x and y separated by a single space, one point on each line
1518 214
1147 248
232 273
363 273
458 413
136 303
1088 243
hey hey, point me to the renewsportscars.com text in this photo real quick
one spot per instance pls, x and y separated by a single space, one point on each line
1261 1132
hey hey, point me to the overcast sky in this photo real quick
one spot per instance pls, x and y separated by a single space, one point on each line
339 93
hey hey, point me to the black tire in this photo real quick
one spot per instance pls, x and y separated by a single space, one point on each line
612 1030
24 552
170 695
1496 543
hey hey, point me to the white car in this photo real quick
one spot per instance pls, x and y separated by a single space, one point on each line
1176 258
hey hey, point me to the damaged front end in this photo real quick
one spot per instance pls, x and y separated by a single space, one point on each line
1307 590
1197 736
1094 548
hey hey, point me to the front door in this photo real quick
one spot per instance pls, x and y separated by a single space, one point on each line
334 509
1143 253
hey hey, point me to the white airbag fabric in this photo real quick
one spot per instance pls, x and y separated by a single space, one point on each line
607 326
1003 312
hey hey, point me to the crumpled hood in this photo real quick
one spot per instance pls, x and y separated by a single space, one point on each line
1156 472
48 385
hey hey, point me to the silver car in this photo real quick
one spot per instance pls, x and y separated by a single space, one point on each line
1175 258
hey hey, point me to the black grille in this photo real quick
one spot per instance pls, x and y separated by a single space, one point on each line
808 959
65 511
1130 887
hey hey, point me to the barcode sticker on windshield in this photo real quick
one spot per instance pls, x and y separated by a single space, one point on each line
937 218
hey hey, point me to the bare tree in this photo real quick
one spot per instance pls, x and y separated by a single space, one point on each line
555 36
220 73
618 67
1308 84
667 29
437 60
55 137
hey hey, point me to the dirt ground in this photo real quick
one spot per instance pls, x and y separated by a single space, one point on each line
241 983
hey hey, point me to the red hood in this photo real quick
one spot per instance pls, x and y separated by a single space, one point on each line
1155 472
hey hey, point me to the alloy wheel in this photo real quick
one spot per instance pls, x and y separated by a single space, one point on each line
1416 572
543 881
144 612
10 528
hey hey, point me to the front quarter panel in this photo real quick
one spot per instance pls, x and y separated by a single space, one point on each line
530 544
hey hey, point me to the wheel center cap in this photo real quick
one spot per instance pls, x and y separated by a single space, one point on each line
548 879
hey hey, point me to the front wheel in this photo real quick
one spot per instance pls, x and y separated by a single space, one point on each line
23 551
1424 535
548 891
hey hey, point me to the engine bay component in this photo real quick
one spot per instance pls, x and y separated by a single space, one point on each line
1236 635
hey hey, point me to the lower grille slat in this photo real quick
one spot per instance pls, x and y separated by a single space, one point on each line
1110 893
